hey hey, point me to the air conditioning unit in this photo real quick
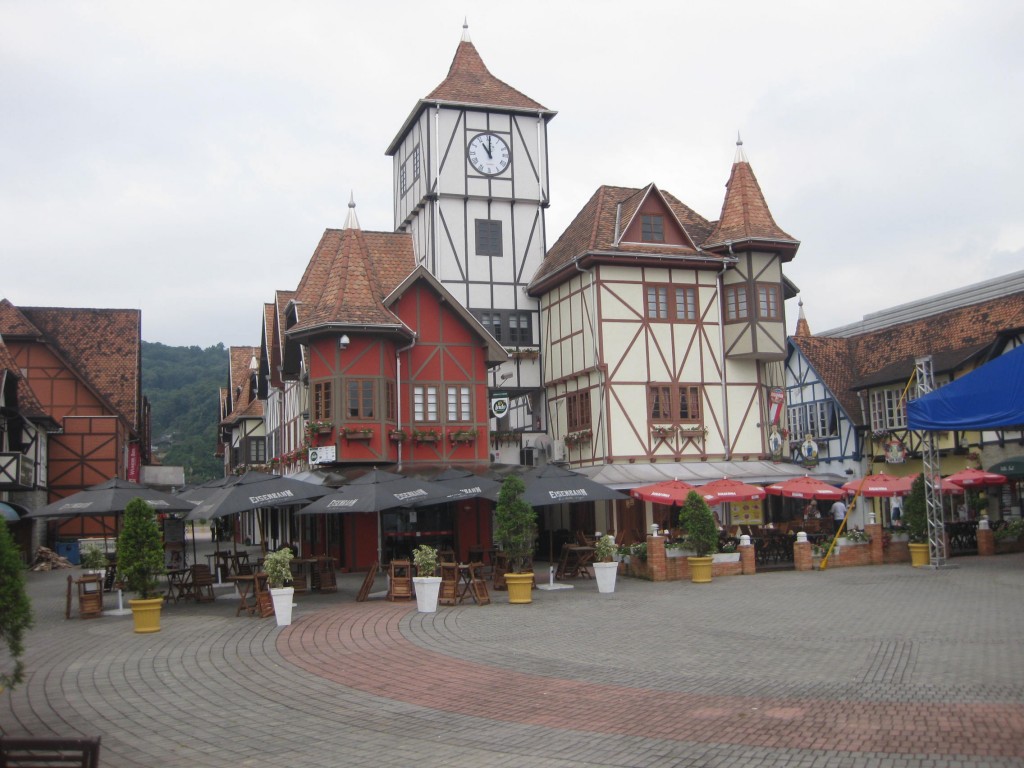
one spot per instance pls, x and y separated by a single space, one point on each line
558 450
326 454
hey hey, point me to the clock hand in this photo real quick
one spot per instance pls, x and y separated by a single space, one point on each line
487 148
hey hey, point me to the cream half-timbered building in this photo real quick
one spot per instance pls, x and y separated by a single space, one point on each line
471 186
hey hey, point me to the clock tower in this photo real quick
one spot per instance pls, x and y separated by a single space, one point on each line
471 186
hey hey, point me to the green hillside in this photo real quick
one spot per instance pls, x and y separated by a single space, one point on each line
182 385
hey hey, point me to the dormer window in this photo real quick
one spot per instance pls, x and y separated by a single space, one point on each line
652 229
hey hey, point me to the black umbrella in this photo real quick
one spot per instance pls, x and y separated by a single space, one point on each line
111 498
554 485
463 484
376 491
255 490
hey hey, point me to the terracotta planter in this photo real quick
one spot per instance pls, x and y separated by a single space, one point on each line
700 569
146 614
520 588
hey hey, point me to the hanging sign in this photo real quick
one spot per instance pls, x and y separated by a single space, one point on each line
134 463
895 451
499 404
776 398
775 443
809 452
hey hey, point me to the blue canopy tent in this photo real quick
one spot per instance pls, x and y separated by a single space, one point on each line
991 397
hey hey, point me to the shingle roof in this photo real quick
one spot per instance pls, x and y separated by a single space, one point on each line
745 215
834 363
103 346
594 229
470 82
244 404
348 277
28 404
13 324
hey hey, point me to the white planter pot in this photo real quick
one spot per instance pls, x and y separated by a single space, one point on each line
282 597
427 589
605 574
725 557
680 553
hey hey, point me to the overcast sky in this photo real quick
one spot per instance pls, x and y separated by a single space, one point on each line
185 157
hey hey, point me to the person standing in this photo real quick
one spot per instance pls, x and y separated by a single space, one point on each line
838 513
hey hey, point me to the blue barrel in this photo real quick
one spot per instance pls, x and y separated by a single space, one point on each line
70 551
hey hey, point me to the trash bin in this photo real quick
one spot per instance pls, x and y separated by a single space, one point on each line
70 551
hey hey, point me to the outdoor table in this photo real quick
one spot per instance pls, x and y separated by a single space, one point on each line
179 584
465 588
221 563
246 598
302 574
574 562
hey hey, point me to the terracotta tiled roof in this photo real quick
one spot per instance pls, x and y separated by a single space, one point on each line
348 277
803 328
244 404
103 346
13 324
470 82
594 229
28 404
745 215
886 356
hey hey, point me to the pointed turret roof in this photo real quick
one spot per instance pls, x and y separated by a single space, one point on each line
746 221
469 83
802 327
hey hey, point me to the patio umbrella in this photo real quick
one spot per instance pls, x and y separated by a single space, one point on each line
974 477
463 484
554 485
903 485
255 490
9 513
880 485
805 488
671 492
110 498
725 489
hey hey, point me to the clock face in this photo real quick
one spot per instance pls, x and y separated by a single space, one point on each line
488 153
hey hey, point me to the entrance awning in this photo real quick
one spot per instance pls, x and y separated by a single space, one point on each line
1012 468
623 476
10 512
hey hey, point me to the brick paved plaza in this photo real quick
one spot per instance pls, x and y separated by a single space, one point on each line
885 665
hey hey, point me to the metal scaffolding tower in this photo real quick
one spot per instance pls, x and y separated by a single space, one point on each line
930 469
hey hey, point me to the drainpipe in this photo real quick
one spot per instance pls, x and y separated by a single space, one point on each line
721 351
398 394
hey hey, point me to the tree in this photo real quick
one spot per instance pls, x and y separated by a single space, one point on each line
698 524
516 524
15 608
915 512
140 551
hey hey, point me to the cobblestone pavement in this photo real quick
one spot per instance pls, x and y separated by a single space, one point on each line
877 666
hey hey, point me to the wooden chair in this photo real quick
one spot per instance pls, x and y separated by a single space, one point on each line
477 584
49 753
399 580
328 582
449 593
299 578
202 584
446 555
500 569
264 602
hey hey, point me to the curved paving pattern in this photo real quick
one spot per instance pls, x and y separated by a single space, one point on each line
870 666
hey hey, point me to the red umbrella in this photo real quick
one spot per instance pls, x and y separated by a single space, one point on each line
874 485
903 485
725 489
805 488
973 477
672 492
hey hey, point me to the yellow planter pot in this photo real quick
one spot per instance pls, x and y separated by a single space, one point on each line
146 614
919 555
520 586
700 569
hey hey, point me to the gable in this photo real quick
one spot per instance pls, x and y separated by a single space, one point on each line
653 223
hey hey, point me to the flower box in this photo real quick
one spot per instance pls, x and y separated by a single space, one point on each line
398 436
462 436
425 436
358 434
676 552
725 557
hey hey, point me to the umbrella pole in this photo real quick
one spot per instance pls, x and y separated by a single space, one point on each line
380 541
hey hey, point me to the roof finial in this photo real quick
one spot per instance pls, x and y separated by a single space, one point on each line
803 328
741 156
351 222
465 30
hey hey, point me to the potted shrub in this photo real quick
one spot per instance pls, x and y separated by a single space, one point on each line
605 569
515 532
278 567
915 521
140 563
93 560
15 610
424 557
701 532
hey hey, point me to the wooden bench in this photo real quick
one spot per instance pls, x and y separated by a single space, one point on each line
49 753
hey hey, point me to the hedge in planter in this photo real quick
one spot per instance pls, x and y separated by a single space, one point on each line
698 524
15 608
140 551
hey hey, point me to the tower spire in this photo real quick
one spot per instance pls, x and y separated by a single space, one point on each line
465 30
741 156
803 328
351 222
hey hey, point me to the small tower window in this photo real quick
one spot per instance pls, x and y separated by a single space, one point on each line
652 229
488 237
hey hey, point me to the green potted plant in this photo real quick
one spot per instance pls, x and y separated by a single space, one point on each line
140 563
515 532
93 559
427 585
278 567
915 521
15 609
605 569
701 532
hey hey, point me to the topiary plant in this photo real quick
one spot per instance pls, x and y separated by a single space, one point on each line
15 608
516 524
604 548
278 567
915 512
140 551
425 559
698 524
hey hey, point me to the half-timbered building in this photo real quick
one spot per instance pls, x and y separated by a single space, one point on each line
848 387
81 418
663 335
